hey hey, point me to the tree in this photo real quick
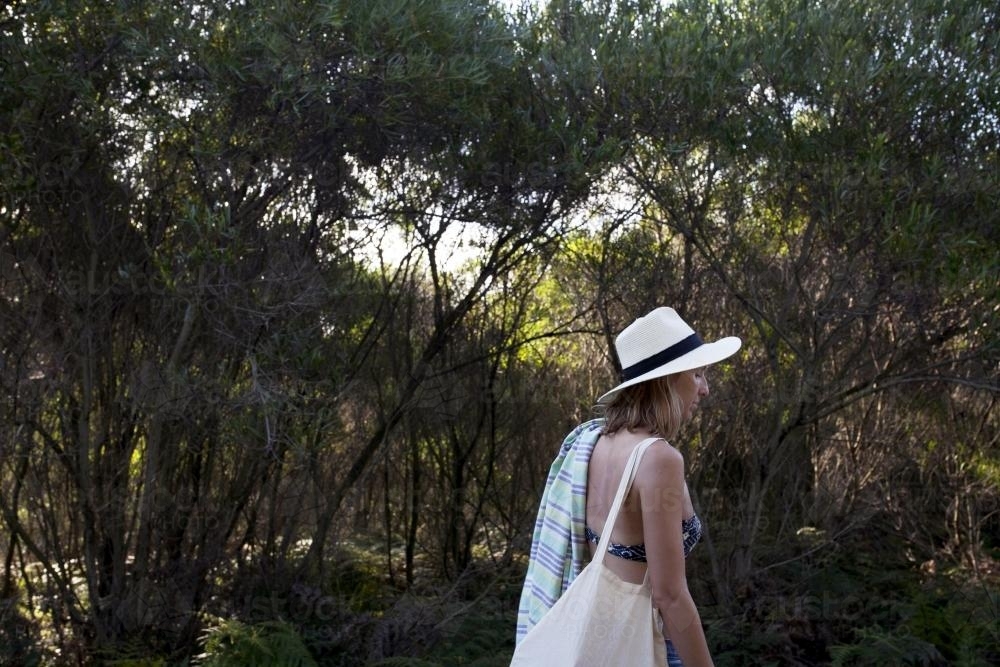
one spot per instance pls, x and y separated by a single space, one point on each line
185 321
824 149
233 334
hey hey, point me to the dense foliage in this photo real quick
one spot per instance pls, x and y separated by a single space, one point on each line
297 300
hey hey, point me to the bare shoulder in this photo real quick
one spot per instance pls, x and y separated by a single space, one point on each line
662 453
662 465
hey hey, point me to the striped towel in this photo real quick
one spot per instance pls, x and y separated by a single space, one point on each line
558 546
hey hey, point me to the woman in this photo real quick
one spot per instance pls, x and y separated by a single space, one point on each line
663 379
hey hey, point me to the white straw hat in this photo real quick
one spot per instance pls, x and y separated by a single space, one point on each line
661 343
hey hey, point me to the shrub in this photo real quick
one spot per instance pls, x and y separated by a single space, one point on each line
230 643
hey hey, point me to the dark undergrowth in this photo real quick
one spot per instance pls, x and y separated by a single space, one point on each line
845 605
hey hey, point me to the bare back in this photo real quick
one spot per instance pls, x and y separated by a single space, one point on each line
607 463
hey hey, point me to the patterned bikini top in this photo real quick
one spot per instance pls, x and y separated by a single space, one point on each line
690 534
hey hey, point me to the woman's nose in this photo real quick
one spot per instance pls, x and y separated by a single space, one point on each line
703 390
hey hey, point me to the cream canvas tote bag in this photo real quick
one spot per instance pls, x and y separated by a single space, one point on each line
599 620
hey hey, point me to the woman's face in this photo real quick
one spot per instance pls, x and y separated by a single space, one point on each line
691 386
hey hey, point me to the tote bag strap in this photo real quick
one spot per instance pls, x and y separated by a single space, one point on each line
628 475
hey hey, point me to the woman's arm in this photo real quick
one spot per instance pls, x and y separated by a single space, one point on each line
660 483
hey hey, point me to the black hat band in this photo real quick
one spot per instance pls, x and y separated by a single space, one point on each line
675 351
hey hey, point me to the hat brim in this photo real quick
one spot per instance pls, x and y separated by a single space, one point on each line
703 355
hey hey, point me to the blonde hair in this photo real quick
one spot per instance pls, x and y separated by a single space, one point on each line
652 405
